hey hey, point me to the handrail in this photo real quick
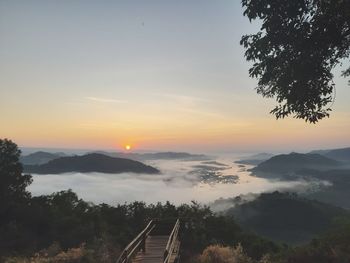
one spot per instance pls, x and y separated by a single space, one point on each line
135 245
173 238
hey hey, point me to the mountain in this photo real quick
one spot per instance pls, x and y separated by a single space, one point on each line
342 155
255 159
39 157
156 156
322 152
292 163
93 162
285 217
335 192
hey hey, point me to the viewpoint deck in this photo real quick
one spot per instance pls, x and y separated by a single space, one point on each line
157 243
155 247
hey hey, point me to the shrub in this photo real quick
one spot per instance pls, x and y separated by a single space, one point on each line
220 254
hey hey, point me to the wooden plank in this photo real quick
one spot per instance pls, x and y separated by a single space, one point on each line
175 253
135 245
155 247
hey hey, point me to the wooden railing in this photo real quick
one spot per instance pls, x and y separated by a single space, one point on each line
139 243
172 242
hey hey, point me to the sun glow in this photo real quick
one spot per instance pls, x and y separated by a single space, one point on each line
127 147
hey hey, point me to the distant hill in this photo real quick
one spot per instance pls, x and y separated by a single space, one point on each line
294 162
93 162
322 152
339 154
39 157
285 217
342 154
156 156
255 159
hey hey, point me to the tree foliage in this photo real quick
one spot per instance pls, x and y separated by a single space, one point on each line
221 254
12 182
298 45
14 198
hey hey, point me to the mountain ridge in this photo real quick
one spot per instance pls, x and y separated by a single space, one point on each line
40 157
92 162
294 162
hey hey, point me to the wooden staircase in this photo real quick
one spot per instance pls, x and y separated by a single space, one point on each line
154 245
154 253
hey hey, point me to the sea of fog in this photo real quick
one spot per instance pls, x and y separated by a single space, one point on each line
180 181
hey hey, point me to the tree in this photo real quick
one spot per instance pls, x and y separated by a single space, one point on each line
14 199
12 182
298 45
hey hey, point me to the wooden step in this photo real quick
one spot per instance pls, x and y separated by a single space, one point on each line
155 247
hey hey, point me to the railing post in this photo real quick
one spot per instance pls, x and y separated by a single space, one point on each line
125 256
165 254
143 244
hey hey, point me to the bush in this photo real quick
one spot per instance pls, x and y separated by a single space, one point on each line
220 254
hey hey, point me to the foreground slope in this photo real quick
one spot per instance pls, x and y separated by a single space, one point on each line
286 217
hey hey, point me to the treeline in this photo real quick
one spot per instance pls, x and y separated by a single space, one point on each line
65 219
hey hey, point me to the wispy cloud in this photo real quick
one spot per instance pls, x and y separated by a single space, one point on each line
182 101
182 98
190 104
105 100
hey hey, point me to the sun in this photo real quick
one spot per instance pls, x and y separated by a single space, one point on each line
127 147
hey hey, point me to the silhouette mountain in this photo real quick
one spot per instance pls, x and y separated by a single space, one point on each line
39 157
342 154
155 156
255 159
93 162
294 162
339 154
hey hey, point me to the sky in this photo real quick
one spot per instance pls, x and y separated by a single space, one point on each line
160 75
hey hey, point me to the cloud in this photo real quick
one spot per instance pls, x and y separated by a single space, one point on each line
105 100
182 98
175 184
192 105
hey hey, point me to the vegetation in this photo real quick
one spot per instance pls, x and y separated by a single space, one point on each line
64 218
298 45
14 199
221 254
333 246
337 192
285 217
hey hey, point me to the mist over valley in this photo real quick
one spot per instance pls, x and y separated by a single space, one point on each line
183 177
